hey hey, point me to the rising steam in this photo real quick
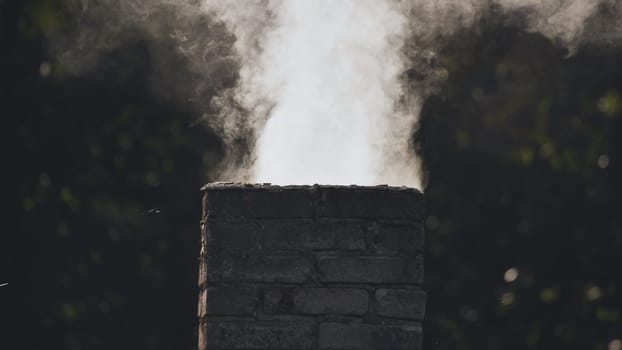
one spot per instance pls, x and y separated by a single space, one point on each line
319 89
323 89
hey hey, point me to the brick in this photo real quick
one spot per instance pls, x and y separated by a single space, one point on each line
232 234
316 301
287 234
230 267
257 202
231 301
341 336
387 237
312 235
347 234
366 269
400 303
376 203
258 336
302 234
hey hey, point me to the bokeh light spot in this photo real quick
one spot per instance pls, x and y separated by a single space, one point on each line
44 180
549 295
45 69
511 275
593 293
507 298
28 203
603 161
611 104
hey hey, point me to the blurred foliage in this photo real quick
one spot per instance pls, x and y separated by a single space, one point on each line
105 177
523 228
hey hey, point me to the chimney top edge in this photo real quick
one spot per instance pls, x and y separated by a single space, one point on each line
268 186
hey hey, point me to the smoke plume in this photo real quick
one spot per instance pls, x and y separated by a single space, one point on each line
323 91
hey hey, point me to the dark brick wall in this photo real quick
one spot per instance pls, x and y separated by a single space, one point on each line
311 267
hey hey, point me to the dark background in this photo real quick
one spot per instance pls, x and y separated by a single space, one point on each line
102 178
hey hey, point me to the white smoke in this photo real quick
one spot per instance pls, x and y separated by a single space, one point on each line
328 74
329 91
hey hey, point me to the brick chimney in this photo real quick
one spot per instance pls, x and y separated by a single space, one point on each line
311 267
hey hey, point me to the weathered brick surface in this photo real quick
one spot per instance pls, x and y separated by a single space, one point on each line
371 269
316 301
239 235
224 267
371 203
400 303
293 235
259 202
288 234
258 335
231 300
396 237
341 336
313 234
347 234
311 267
202 305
